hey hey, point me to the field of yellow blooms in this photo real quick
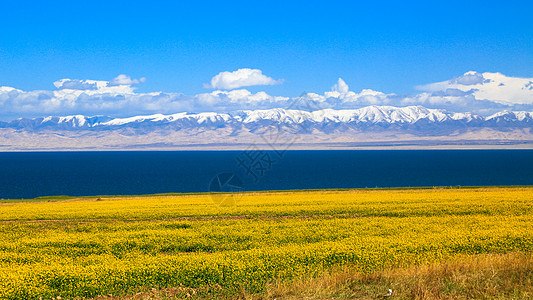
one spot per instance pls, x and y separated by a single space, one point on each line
85 247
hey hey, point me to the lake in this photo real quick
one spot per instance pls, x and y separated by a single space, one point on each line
33 174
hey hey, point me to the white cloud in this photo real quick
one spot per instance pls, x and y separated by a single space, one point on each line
17 103
241 99
340 96
240 78
453 102
341 87
76 84
93 97
469 78
125 80
453 99
494 87
122 84
475 92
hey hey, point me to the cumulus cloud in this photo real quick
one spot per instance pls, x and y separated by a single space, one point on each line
444 97
119 99
469 78
340 96
16 103
122 84
76 84
125 80
340 87
454 101
240 78
494 87
240 99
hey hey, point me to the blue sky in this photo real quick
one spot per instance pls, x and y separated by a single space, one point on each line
386 46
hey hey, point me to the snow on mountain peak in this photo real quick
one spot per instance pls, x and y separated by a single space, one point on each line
368 116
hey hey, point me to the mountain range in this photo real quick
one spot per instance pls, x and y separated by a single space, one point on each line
371 126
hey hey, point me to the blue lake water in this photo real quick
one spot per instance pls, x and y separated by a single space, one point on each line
28 175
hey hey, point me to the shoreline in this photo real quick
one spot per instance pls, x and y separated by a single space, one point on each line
528 146
57 198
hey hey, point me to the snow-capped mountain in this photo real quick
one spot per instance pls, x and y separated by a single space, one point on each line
372 126
363 118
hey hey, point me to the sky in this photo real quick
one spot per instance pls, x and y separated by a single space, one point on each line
178 48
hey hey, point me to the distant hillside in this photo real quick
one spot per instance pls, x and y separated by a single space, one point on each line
372 126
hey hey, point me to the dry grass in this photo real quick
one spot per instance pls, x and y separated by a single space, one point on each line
491 276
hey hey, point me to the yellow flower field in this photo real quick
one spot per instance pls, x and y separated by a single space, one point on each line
87 247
